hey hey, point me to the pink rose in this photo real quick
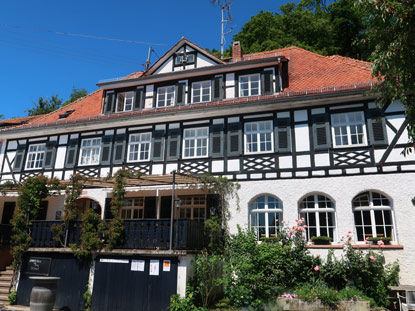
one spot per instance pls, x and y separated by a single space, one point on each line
372 258
381 244
316 268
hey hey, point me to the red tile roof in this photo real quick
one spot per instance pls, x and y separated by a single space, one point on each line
17 121
309 73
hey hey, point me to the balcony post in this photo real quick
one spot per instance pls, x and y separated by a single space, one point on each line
172 210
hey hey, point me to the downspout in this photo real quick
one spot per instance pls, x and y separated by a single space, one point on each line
172 209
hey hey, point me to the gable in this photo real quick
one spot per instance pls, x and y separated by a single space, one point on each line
184 55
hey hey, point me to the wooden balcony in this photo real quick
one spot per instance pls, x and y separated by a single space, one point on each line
5 234
143 234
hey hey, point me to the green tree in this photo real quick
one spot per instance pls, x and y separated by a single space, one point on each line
326 29
75 95
45 105
392 31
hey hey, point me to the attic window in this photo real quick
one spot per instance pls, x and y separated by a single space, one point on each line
66 114
184 59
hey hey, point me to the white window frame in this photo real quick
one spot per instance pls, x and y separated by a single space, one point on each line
316 210
254 210
198 86
166 91
36 156
132 97
258 133
142 143
196 140
94 150
372 208
250 81
348 124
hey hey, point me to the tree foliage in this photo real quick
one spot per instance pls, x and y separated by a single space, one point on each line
312 24
392 32
75 95
45 105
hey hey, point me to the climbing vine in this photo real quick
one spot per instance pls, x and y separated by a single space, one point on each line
31 193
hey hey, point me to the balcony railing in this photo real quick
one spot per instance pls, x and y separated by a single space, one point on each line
138 234
5 234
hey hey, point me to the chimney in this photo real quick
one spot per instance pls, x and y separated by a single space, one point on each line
236 51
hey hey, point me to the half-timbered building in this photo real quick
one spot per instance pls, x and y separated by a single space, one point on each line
299 131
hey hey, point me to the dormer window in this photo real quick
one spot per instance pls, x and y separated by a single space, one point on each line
249 85
125 101
201 91
184 59
165 96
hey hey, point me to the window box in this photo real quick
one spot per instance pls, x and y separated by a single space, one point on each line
321 240
375 240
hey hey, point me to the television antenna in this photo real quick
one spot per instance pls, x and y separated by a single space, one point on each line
226 18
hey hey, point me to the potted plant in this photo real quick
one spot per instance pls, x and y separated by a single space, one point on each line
321 240
375 240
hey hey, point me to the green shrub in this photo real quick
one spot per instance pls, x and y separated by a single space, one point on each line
182 304
319 290
12 297
354 294
334 272
321 238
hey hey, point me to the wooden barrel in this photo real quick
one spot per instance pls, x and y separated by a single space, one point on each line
43 294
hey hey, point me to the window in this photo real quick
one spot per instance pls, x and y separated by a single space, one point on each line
318 213
125 101
165 96
139 147
266 216
373 216
133 208
35 156
195 142
90 151
201 91
249 85
348 128
259 137
193 207
182 59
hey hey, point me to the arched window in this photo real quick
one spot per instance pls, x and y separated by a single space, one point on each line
372 216
266 216
318 213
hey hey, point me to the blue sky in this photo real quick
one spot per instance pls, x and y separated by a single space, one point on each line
35 61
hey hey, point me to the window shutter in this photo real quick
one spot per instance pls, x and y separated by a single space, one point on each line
50 153
180 93
158 145
283 135
109 105
173 146
216 140
139 99
19 158
277 80
267 85
71 151
377 127
119 149
106 150
321 131
234 139
217 88
284 76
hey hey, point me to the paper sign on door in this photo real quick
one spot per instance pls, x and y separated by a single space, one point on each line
154 267
166 265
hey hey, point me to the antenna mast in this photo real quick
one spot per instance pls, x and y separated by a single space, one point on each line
226 18
147 64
